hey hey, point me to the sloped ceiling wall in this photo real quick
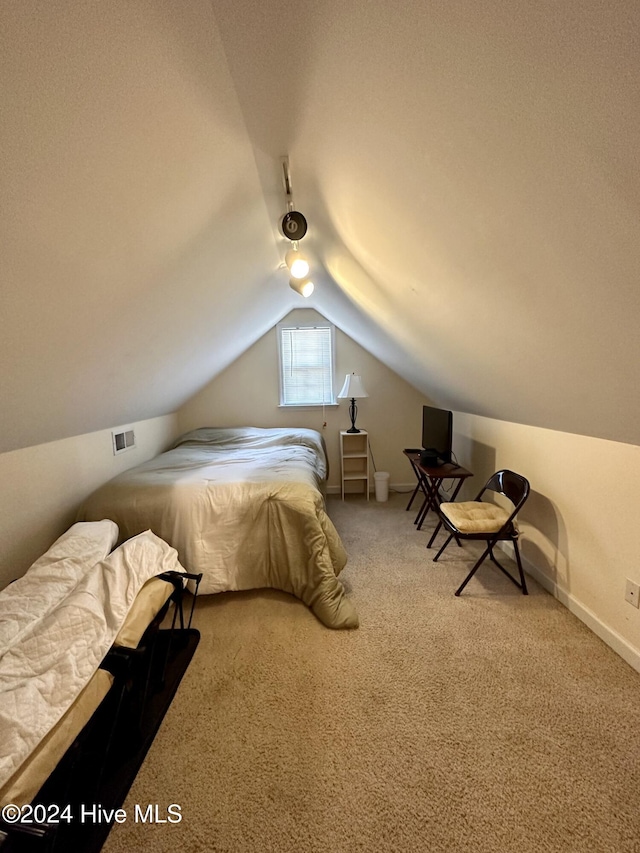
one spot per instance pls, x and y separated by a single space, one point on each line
136 250
469 173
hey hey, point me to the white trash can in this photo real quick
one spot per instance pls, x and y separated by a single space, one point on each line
381 479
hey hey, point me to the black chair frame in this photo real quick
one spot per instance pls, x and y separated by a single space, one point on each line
516 488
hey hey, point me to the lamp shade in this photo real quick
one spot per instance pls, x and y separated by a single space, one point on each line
352 387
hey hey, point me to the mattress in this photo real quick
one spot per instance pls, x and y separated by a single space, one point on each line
23 786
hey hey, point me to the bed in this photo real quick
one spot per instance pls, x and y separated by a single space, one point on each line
57 624
244 507
87 670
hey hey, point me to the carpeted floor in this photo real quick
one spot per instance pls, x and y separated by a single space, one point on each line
489 723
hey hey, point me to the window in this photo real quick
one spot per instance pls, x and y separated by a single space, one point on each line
306 355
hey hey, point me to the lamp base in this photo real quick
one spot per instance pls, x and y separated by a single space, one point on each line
353 412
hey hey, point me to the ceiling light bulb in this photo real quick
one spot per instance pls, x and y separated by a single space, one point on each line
302 286
300 268
297 263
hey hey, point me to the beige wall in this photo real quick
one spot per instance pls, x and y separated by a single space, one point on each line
41 486
246 394
579 524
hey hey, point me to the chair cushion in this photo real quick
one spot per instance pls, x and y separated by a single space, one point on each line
475 516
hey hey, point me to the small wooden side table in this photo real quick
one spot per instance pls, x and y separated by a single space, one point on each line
354 458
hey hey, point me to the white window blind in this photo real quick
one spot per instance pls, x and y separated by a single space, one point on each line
306 365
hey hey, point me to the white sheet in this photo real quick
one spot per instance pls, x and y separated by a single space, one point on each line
49 662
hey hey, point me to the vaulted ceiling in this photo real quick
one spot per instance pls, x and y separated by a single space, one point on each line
469 172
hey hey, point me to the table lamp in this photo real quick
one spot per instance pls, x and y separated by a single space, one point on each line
354 389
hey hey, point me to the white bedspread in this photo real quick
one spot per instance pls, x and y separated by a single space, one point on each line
244 507
49 660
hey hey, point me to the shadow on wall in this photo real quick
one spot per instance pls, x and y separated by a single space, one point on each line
545 544
481 460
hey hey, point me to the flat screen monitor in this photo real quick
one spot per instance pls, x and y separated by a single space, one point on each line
437 431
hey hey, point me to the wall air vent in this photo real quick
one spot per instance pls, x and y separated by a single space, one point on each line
123 440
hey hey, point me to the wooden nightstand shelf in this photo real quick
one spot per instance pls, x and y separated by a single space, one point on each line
354 459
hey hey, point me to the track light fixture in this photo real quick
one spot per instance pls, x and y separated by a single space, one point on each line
303 286
294 226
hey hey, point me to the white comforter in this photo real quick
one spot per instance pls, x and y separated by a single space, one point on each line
53 646
244 507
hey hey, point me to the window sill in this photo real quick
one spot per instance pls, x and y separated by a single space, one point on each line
308 405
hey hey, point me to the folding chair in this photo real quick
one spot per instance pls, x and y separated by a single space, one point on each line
486 521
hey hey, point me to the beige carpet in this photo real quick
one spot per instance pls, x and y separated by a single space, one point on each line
491 722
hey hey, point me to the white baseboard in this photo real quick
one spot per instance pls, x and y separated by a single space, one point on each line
608 635
393 487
